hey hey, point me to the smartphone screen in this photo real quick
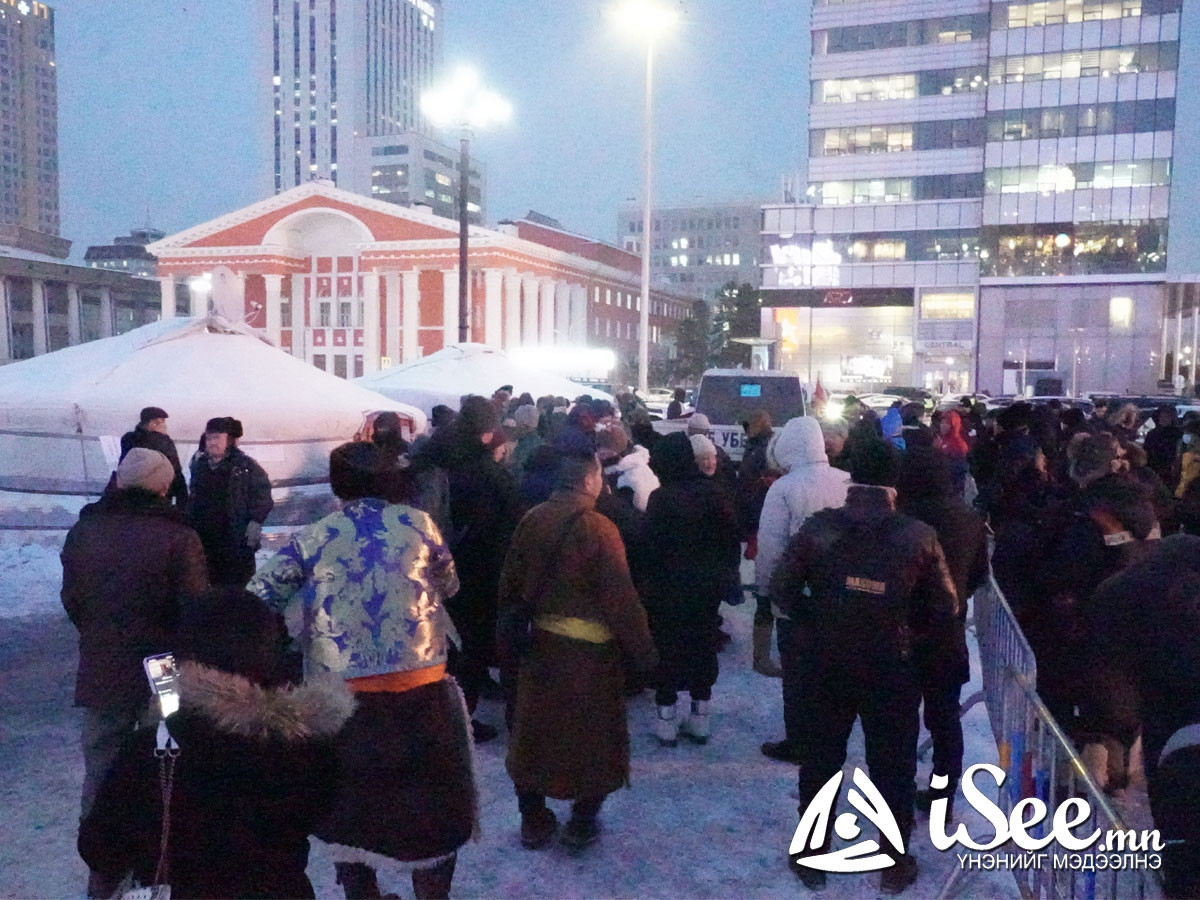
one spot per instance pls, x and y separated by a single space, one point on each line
164 681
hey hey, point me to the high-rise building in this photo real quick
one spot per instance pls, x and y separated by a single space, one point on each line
1080 157
988 197
699 248
29 129
344 83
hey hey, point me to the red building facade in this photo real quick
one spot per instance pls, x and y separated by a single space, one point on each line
352 284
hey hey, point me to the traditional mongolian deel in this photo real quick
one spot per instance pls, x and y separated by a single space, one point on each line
352 566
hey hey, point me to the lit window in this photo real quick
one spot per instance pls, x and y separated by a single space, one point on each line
947 306
443 180
683 243
1120 313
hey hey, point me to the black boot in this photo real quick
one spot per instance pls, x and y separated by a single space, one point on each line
926 797
358 881
538 828
782 751
481 732
896 879
813 879
434 883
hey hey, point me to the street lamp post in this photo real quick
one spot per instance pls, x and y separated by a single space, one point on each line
464 103
649 20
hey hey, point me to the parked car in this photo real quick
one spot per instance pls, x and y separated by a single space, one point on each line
912 395
728 396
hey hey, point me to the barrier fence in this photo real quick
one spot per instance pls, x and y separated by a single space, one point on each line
1041 761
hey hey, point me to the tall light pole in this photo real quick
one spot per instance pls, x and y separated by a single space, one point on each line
463 103
648 20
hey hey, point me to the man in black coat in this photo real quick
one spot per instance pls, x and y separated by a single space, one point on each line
926 491
151 433
484 512
128 564
869 585
1143 633
1162 444
1109 525
231 499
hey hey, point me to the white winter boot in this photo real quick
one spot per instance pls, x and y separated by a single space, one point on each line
666 726
697 726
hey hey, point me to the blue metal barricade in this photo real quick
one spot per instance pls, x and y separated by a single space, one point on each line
1041 761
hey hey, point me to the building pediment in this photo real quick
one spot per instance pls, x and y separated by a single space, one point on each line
316 211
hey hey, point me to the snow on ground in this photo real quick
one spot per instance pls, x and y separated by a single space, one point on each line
30 573
711 821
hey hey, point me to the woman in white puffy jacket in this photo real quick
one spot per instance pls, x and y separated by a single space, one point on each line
809 485
633 472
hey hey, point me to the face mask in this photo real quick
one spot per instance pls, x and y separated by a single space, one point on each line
1187 438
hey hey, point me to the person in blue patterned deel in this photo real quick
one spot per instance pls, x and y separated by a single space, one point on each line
371 582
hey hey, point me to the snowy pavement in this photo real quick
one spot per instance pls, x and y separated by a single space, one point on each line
698 822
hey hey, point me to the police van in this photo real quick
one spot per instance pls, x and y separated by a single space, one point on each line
728 396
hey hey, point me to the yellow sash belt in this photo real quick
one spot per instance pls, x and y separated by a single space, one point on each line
578 629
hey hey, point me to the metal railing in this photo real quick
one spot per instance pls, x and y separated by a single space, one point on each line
1041 761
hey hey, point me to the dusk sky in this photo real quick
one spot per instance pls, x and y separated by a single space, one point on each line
157 115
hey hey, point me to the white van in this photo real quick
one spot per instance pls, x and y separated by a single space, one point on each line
728 396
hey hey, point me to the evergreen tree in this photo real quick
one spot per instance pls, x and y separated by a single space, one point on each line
736 314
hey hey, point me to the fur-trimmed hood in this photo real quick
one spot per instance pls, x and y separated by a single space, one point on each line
237 706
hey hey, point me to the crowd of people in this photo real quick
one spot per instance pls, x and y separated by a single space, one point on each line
559 558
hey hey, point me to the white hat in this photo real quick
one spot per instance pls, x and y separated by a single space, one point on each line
702 446
698 424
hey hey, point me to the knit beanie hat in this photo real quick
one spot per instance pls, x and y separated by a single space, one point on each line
527 416
702 446
145 469
611 442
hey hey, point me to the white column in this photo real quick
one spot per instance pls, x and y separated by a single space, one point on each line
1178 335
391 343
449 307
239 298
512 310
410 321
273 312
199 299
73 336
1195 340
579 309
40 344
106 312
370 323
1162 358
166 286
493 310
529 310
5 346
562 313
546 303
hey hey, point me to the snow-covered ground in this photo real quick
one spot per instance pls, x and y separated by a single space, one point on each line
711 821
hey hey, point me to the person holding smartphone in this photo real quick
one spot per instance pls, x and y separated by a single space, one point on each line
255 770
